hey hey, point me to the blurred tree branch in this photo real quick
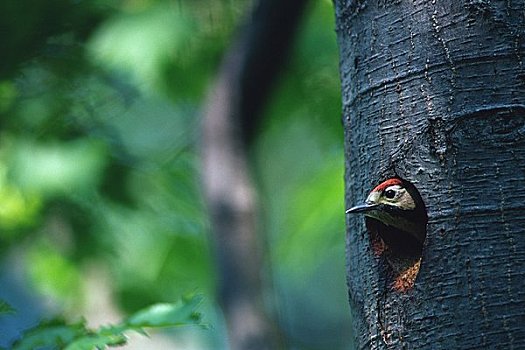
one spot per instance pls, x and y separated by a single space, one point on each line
249 69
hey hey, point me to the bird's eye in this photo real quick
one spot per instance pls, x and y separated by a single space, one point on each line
390 194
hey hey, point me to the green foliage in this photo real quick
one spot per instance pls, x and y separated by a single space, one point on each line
56 168
5 308
147 41
165 46
57 334
99 166
53 273
306 205
166 315
300 163
19 209
27 25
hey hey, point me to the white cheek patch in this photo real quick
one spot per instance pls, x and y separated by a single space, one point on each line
406 201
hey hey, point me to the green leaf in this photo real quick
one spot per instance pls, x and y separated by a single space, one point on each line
57 168
143 42
5 308
180 313
57 334
51 334
97 341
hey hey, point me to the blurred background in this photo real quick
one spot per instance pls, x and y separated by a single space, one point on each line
101 203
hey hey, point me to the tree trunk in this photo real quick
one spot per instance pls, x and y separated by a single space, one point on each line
434 92
248 72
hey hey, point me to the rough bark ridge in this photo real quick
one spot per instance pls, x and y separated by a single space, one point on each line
434 91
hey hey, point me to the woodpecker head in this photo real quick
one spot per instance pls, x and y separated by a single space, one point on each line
397 204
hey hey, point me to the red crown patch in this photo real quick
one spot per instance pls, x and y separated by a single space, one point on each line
387 183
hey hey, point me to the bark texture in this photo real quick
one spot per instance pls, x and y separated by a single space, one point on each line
249 69
434 92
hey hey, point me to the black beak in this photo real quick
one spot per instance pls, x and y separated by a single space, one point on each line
362 208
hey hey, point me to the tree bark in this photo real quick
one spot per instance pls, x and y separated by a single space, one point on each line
433 92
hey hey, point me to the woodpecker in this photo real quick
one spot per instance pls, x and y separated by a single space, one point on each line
396 219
